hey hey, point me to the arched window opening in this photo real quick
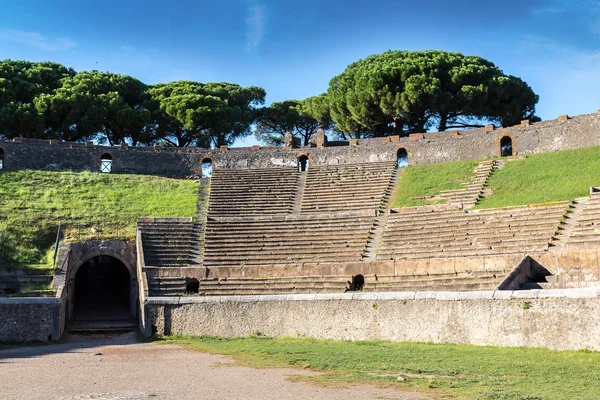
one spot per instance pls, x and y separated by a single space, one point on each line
106 163
207 168
302 163
1 158
192 285
506 146
402 158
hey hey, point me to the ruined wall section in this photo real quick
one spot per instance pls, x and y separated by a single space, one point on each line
433 147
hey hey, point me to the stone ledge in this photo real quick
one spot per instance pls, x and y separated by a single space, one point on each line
578 293
29 300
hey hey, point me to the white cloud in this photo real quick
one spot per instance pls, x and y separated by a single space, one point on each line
35 39
255 26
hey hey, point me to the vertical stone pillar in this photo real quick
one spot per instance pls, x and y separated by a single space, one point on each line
288 140
321 139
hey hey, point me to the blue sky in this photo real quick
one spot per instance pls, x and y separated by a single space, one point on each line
293 48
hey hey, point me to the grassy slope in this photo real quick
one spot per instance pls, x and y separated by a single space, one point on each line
427 180
460 371
33 202
540 178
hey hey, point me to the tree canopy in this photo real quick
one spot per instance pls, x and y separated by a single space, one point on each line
204 113
95 104
411 91
20 83
301 118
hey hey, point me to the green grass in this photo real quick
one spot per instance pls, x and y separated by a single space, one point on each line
34 202
429 180
547 177
454 371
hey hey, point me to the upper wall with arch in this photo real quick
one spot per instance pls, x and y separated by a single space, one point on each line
433 147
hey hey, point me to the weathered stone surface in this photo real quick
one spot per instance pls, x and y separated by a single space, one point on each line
560 323
546 136
29 319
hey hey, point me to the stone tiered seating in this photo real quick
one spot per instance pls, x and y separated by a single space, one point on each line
468 196
346 187
166 286
286 239
587 228
464 281
253 191
169 242
415 234
19 281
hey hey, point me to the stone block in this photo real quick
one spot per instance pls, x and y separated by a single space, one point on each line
385 139
547 260
563 117
495 263
477 295
469 264
379 267
223 148
443 265
525 122
489 128
453 133
425 295
447 296
503 294
416 136
353 142
394 139
256 147
124 145
525 294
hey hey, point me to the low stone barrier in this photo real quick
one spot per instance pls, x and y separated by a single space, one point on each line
29 319
555 319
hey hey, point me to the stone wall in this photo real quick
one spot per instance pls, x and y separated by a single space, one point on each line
555 319
433 147
29 319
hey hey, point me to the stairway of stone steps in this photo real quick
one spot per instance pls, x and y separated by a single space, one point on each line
167 286
375 235
18 281
464 281
170 242
468 197
386 200
299 193
572 216
201 217
583 225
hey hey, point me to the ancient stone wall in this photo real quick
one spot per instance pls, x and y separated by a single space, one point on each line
29 319
555 319
433 147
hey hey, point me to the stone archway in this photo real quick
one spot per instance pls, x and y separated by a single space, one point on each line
101 276
102 290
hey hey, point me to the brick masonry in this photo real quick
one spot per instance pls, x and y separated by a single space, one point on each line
433 147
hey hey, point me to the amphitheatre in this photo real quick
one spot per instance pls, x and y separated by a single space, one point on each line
330 241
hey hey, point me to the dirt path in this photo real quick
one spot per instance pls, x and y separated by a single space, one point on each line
121 369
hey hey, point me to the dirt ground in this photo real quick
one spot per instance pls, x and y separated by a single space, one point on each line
119 368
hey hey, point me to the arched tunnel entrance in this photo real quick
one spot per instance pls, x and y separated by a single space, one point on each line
102 292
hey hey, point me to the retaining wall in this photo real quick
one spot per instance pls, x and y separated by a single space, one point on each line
555 319
29 319
432 147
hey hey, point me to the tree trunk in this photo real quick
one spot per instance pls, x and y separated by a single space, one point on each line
443 122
